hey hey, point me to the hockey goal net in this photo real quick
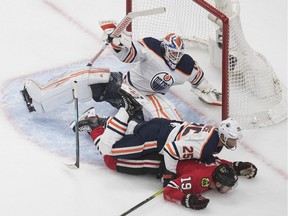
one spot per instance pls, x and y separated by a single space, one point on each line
252 93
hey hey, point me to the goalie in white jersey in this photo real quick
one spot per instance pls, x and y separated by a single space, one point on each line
158 65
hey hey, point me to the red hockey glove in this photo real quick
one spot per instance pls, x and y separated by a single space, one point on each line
196 202
167 177
245 169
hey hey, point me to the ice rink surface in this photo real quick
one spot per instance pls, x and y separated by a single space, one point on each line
40 38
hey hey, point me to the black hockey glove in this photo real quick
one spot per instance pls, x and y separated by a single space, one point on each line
167 177
245 169
196 202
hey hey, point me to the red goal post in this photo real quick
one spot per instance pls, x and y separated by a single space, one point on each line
251 90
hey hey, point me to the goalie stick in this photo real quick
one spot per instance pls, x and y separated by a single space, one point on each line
143 202
123 24
75 96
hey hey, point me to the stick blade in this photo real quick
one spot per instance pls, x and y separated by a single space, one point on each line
74 166
71 163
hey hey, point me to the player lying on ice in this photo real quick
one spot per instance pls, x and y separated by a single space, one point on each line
143 148
122 137
157 65
192 176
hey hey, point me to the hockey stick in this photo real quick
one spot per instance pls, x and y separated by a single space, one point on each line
75 96
143 202
123 24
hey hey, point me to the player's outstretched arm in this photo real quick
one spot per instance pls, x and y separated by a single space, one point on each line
247 169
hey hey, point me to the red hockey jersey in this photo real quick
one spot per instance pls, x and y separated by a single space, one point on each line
193 177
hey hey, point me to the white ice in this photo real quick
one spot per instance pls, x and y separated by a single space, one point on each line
38 37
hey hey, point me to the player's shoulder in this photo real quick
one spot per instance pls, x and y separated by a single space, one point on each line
152 44
196 168
186 64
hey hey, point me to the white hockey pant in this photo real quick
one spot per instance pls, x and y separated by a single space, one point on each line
58 91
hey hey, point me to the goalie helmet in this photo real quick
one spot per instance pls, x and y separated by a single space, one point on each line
230 129
172 49
225 175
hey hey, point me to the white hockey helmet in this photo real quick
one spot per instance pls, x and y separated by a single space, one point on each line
230 129
173 49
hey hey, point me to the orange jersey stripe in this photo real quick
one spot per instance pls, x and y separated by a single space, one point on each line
180 134
135 149
92 71
132 54
196 79
169 148
115 124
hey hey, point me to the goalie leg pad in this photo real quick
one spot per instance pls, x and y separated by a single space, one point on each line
159 106
59 90
154 106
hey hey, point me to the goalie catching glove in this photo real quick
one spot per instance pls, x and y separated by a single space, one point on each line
207 93
245 169
196 202
117 43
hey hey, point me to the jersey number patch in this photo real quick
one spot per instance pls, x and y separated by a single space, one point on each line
186 183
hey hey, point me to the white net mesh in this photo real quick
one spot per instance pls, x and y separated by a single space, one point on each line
256 96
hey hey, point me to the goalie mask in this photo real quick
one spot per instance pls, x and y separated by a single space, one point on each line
172 49
230 129
226 176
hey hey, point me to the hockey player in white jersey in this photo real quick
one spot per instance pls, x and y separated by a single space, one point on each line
158 65
176 140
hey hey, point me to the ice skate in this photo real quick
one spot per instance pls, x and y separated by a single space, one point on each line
88 121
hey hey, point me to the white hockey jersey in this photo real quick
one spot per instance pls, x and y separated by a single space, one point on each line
150 74
190 141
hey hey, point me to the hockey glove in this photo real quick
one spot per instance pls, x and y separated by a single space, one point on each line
245 169
167 177
207 93
117 43
196 202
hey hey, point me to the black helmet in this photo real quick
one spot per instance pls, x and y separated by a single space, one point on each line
225 175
